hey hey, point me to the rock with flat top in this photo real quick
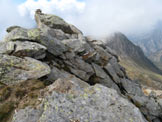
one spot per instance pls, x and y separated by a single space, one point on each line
23 49
15 70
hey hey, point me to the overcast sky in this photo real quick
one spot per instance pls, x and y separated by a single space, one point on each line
93 17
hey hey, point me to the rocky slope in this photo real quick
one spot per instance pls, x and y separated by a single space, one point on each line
126 49
156 58
137 65
70 78
150 43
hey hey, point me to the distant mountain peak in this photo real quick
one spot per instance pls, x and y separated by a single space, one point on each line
126 49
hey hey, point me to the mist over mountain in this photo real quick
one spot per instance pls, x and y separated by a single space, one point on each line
127 50
149 41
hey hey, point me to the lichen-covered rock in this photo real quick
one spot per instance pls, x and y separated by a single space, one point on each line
132 87
75 45
98 56
9 29
149 107
57 74
94 104
23 49
54 22
111 71
46 36
99 71
3 48
17 34
14 70
80 68
69 84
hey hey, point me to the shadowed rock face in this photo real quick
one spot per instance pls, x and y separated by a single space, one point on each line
84 79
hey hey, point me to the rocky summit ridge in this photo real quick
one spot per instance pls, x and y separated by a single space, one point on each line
83 79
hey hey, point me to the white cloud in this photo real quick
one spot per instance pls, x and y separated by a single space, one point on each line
60 7
10 16
128 16
93 17
100 17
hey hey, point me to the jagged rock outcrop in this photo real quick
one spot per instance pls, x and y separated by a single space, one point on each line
23 49
15 70
54 22
83 74
94 104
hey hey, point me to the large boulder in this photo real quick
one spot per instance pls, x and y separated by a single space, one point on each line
150 107
47 37
68 102
9 29
75 45
80 68
54 22
17 33
23 49
14 70
57 74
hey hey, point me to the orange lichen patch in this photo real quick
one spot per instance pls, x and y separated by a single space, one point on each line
88 55
148 91
74 120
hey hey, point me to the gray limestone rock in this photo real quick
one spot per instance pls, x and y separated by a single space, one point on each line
23 49
94 104
99 71
55 22
15 70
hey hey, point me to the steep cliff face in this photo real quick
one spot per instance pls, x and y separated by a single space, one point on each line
132 58
156 58
126 49
150 42
78 79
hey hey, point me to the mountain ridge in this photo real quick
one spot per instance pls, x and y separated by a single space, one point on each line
149 41
126 49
